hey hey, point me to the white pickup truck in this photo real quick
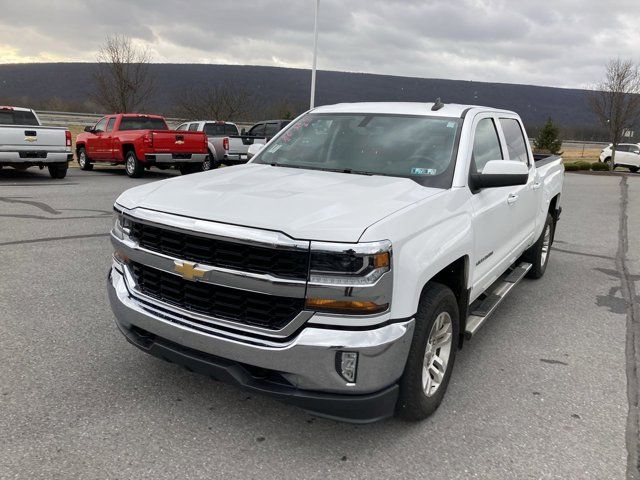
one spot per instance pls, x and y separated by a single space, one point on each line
342 268
25 143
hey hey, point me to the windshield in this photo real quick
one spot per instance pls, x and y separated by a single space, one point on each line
142 123
416 147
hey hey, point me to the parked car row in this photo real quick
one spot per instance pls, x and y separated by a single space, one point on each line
137 141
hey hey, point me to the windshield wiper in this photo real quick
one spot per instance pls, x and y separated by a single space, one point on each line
337 170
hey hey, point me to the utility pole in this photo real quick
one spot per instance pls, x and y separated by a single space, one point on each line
315 57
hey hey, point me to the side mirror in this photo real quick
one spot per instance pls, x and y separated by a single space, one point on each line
88 129
254 149
500 173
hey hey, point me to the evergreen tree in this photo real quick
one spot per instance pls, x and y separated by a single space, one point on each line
549 138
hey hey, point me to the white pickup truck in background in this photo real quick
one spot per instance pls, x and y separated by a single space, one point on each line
25 143
341 269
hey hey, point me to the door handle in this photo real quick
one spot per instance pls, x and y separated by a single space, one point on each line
537 185
512 198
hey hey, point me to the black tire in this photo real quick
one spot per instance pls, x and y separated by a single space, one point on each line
132 165
210 163
83 160
634 169
58 170
535 254
413 403
188 168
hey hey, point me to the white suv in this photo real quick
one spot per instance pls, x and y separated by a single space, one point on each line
627 155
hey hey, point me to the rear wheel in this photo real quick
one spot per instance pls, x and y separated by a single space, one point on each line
83 160
133 166
538 254
209 163
58 170
431 355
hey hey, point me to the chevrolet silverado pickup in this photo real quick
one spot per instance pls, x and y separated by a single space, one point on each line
341 268
25 143
140 141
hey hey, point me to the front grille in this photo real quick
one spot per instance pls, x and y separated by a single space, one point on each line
241 306
220 253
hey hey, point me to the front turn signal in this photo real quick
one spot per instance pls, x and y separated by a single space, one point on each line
345 306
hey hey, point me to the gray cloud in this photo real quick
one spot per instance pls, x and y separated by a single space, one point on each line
559 43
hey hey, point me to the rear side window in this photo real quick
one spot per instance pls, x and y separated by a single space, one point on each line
257 130
622 148
486 144
193 127
230 129
514 138
142 123
16 117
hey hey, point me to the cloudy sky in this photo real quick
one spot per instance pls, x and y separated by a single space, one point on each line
556 43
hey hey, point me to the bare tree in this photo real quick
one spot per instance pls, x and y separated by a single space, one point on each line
215 102
616 100
123 81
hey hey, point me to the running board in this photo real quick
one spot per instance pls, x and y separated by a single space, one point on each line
481 310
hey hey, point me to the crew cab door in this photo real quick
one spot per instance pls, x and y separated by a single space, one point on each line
94 146
496 223
105 141
525 201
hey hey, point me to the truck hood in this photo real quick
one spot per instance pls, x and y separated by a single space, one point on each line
304 204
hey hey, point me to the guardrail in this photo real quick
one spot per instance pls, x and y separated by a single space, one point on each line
63 119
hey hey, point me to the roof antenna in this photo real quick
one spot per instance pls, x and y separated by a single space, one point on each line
438 105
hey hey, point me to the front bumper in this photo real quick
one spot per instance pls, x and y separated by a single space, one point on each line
176 158
304 367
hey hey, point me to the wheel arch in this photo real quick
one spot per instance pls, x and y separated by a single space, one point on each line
456 277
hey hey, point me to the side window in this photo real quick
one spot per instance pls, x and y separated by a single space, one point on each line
182 127
193 127
486 144
271 130
622 148
230 129
100 126
112 122
514 138
257 130
634 148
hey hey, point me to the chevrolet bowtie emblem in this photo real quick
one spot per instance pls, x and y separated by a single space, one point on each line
179 142
31 139
188 270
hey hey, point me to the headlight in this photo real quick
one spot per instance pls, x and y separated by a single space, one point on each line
121 225
349 278
344 265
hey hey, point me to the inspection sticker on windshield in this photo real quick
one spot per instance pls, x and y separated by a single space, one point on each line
451 124
423 171
275 148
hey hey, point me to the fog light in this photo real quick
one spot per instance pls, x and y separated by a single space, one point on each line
347 365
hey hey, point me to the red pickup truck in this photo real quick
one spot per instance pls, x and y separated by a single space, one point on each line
140 141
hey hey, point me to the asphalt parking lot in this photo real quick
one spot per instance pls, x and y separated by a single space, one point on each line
543 391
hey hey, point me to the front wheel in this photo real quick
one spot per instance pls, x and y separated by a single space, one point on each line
58 171
431 355
133 166
634 169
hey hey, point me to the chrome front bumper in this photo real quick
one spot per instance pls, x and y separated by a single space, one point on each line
307 359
